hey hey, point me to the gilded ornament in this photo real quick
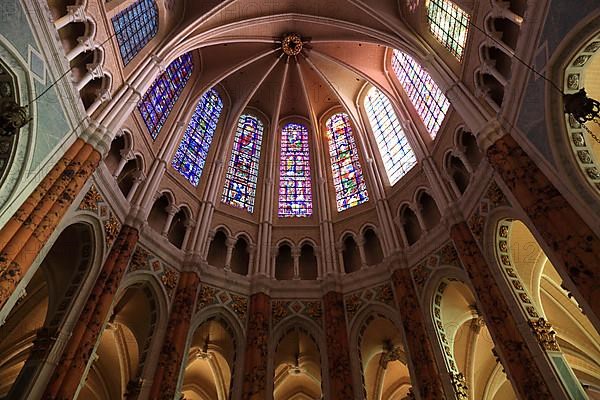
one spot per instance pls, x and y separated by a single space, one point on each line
545 334
584 156
90 200
578 139
517 284
112 226
169 279
292 44
460 386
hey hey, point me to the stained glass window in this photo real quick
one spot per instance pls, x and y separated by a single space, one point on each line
295 192
396 153
449 24
134 27
424 94
191 155
159 99
242 171
348 179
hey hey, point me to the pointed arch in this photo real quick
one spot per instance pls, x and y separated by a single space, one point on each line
191 155
396 153
242 171
348 179
427 98
295 188
158 101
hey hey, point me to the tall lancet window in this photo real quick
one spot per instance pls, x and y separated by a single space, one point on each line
242 171
424 94
348 179
192 152
396 153
295 192
159 99
449 24
135 27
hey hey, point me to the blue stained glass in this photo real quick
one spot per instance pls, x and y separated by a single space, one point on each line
425 95
242 171
135 27
396 153
159 99
348 179
192 152
295 192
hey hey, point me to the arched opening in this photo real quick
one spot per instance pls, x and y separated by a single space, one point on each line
468 142
351 255
158 214
467 344
209 367
518 249
429 210
308 263
7 143
217 251
128 175
297 367
113 158
373 251
410 225
458 173
284 263
178 228
123 346
383 360
43 308
240 258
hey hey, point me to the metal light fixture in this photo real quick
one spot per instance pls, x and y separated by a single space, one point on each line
581 107
12 118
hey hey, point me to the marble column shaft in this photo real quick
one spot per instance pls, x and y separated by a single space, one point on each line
574 244
418 340
87 331
256 355
164 385
338 348
525 375
28 230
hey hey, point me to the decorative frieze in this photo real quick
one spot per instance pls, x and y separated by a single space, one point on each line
493 198
144 260
209 295
282 309
94 202
446 255
356 301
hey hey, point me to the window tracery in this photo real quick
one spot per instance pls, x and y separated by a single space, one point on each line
191 155
159 99
295 192
135 27
348 179
397 155
449 24
242 171
425 95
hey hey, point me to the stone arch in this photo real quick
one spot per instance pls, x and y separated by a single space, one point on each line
357 327
314 331
235 327
50 297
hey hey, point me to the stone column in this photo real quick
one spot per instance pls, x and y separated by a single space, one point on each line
164 385
528 380
28 230
574 245
126 155
257 338
76 355
138 178
74 14
338 348
360 243
230 244
171 211
418 341
296 258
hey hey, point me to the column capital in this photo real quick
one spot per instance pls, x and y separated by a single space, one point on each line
172 210
489 134
77 13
